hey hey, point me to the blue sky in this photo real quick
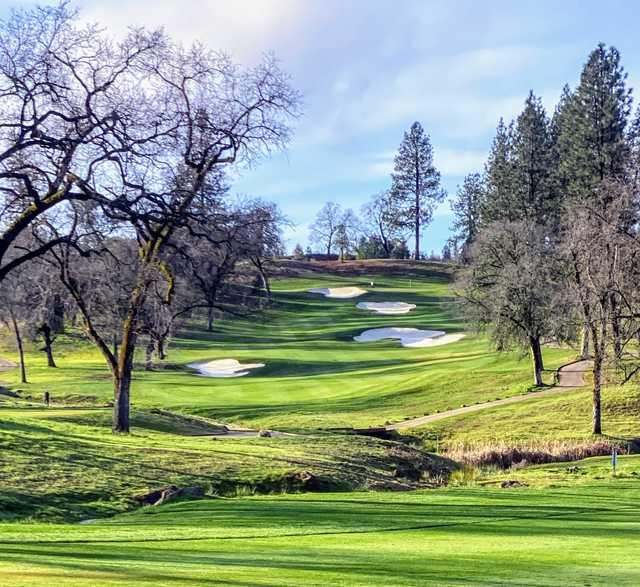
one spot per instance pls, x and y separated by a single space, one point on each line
368 69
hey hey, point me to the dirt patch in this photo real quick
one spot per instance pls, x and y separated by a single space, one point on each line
170 493
512 483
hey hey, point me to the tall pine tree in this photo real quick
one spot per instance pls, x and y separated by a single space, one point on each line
519 169
415 181
466 210
591 142
633 163
532 164
498 203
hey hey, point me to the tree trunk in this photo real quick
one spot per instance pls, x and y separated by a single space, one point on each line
122 383
57 322
115 345
48 344
584 343
615 329
210 318
16 331
536 357
387 248
160 346
148 359
596 397
263 278
122 388
417 253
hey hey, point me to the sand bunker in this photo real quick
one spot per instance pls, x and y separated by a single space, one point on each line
386 308
339 292
409 337
224 368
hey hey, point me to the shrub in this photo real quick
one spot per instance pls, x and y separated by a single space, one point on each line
464 476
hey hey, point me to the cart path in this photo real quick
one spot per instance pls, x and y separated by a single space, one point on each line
569 377
572 375
5 364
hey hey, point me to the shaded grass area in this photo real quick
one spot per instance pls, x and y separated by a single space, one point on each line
65 464
574 534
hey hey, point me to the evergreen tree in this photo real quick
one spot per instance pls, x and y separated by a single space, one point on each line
499 176
466 210
591 142
533 164
520 168
416 182
559 126
633 163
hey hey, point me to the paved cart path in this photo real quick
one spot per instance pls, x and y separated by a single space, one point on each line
569 377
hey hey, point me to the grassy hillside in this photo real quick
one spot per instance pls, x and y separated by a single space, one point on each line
64 464
576 533
316 376
564 418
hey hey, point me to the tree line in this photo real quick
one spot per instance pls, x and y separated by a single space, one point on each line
549 235
389 216
114 208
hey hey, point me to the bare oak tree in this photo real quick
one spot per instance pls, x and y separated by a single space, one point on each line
64 91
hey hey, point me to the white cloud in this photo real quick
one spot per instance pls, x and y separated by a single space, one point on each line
458 162
448 161
246 28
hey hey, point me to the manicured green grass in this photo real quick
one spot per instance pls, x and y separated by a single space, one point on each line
572 534
316 376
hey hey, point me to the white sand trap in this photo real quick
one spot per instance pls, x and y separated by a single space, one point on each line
224 368
386 308
409 337
342 293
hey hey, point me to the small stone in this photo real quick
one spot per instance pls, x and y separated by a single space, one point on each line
510 483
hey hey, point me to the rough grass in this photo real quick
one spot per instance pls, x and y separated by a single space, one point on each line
539 421
62 464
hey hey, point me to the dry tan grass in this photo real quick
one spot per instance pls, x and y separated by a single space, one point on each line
507 455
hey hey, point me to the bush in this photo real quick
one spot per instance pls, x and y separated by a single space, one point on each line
464 476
